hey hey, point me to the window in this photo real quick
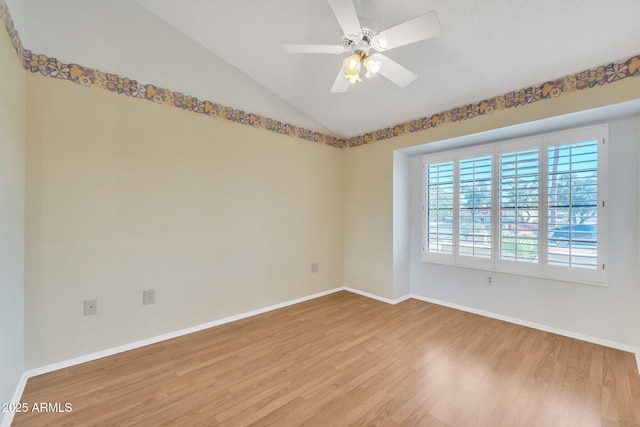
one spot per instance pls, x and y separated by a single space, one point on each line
474 213
475 202
519 203
439 199
519 186
533 206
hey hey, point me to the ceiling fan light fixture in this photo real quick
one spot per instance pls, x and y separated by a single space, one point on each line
372 66
351 64
353 78
351 67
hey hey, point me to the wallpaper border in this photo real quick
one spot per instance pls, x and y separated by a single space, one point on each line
11 30
85 76
598 76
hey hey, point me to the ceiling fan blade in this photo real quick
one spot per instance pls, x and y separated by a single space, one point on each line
347 17
394 71
313 48
341 84
414 30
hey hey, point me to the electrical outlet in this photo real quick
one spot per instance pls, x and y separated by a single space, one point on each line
90 307
149 297
489 280
315 267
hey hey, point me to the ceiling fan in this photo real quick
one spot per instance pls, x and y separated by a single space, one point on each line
359 39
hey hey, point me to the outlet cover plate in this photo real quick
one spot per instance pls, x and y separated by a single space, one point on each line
148 297
90 307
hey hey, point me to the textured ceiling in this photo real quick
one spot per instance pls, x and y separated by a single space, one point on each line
486 48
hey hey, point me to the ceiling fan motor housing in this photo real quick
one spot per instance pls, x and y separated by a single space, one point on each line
364 44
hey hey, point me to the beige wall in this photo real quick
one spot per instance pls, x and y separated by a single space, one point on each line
12 143
125 195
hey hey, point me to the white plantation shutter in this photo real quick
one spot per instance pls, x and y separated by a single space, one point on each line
573 204
575 211
439 183
519 187
475 207
532 206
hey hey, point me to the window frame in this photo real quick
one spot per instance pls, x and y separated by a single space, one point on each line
541 269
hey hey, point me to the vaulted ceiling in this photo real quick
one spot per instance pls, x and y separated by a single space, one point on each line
231 51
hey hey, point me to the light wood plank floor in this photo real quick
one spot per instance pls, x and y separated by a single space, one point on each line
348 360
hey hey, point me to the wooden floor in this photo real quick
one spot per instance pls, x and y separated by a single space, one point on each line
348 360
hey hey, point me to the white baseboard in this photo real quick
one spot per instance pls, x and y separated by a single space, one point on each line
538 326
17 395
153 340
400 299
377 297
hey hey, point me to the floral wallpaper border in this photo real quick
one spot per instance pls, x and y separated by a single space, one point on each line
598 76
75 73
5 16
48 66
